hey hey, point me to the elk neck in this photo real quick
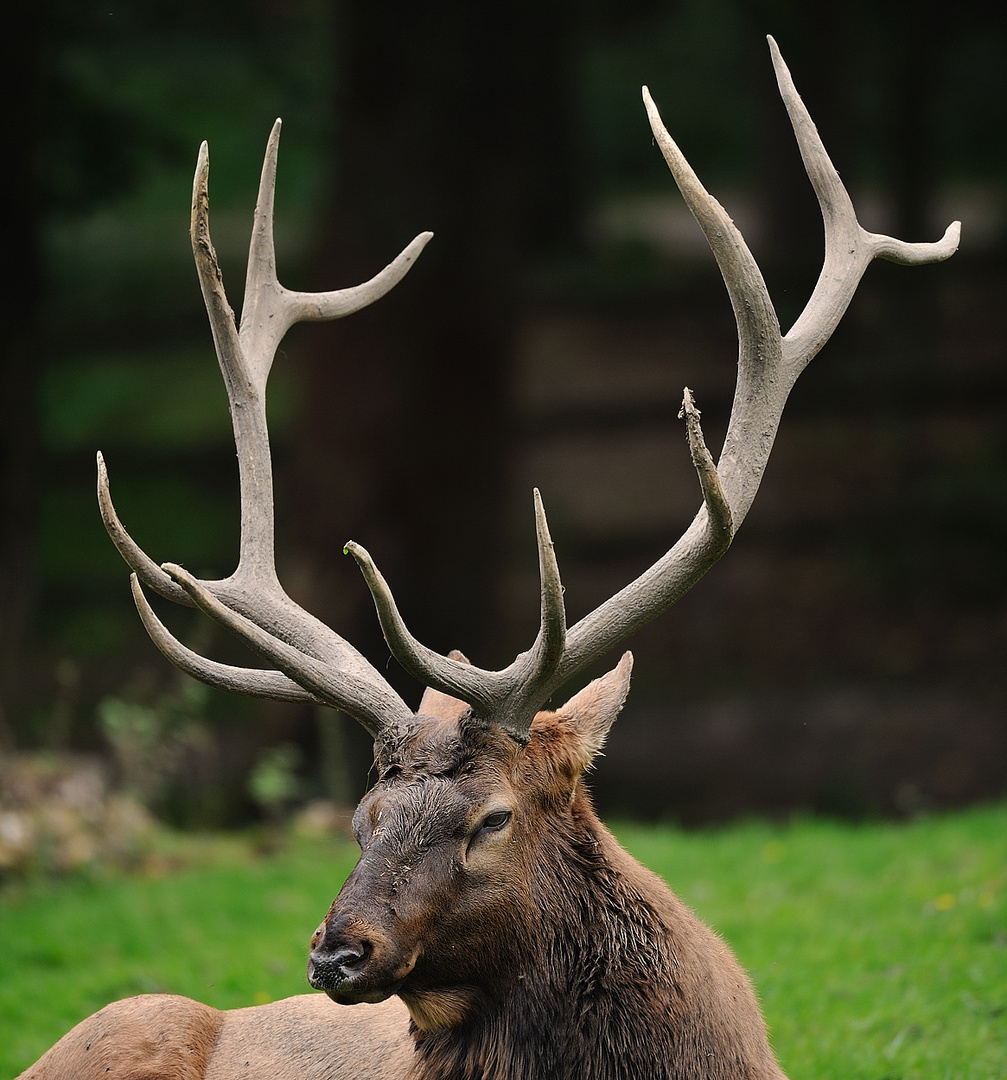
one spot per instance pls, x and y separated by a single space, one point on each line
592 981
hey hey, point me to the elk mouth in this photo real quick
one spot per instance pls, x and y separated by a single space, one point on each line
349 992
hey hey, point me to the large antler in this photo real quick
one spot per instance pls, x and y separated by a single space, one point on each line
314 663
768 365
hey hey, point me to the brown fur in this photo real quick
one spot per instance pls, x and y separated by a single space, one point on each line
163 1037
155 1037
530 948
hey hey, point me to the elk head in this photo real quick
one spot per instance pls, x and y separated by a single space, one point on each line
478 790
465 840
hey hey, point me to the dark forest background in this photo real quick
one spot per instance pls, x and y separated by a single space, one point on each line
847 656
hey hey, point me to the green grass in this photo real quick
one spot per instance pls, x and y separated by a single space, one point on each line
879 951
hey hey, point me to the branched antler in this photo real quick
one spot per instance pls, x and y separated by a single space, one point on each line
507 698
768 366
312 662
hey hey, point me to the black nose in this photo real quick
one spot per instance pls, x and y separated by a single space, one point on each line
332 963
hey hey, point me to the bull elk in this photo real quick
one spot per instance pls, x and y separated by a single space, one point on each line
493 929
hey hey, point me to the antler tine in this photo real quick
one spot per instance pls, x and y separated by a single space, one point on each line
721 523
250 682
551 640
531 672
759 342
849 248
269 309
482 689
136 558
245 380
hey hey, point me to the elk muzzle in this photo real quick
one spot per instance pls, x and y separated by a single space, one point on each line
354 961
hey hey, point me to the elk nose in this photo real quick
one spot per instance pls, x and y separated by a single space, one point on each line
334 963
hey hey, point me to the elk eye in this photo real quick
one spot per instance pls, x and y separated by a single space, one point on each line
497 820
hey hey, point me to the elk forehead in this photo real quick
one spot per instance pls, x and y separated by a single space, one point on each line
438 769
440 746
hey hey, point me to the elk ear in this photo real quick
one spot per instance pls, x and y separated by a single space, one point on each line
443 706
591 712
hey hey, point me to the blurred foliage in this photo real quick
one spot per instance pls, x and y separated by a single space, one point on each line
59 815
127 92
164 750
273 782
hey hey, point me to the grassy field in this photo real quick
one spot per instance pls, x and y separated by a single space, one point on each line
879 951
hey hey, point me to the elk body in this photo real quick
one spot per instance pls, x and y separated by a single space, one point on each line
493 929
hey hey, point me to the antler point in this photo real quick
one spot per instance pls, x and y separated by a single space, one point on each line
688 408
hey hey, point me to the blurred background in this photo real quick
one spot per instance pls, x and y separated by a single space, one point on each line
848 654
